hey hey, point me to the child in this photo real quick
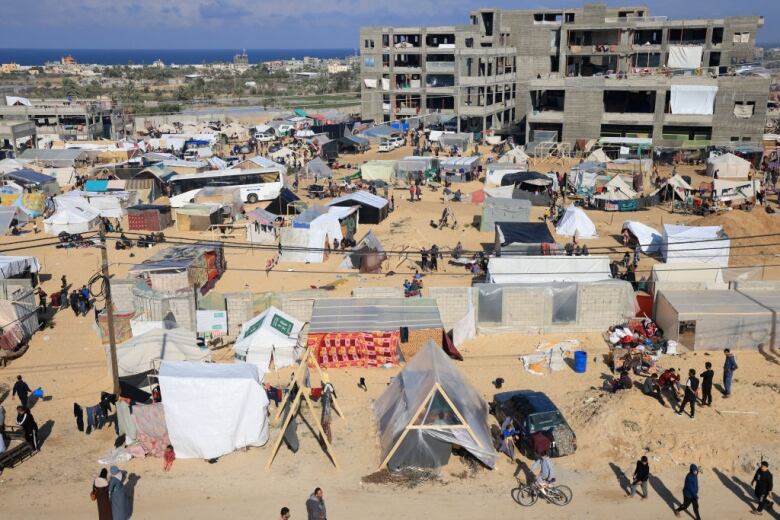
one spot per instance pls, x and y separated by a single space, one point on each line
169 457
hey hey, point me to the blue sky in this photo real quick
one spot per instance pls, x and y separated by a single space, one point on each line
253 24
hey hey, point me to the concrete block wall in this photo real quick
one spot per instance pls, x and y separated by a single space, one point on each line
601 305
240 308
453 303
768 285
584 108
378 292
299 308
183 309
122 295
725 124
526 308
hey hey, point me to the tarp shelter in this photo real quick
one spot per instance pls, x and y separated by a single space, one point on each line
319 219
427 408
617 189
379 171
7 216
180 268
373 209
728 166
417 164
516 156
459 140
282 153
523 238
149 217
368 254
11 266
679 187
108 206
270 336
499 209
353 144
496 172
149 183
686 276
284 204
55 158
460 164
198 217
319 169
714 320
212 409
735 190
576 223
72 215
707 244
305 245
262 227
693 99
34 180
650 240
139 354
598 156
544 269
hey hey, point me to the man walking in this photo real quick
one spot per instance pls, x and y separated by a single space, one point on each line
22 390
641 474
763 482
690 493
25 421
691 392
706 384
315 506
434 257
729 366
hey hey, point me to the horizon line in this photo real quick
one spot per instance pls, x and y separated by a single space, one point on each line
177 48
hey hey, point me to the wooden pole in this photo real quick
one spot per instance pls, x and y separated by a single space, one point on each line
109 309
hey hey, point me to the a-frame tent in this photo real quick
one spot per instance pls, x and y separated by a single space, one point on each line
428 408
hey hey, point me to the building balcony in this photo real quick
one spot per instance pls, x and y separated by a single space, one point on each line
440 66
407 70
478 81
688 119
627 118
547 116
407 111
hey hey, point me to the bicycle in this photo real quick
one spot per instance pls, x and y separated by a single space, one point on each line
527 495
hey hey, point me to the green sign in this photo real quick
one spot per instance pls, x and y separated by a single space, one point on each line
253 328
282 325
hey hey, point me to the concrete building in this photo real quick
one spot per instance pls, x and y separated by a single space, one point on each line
583 73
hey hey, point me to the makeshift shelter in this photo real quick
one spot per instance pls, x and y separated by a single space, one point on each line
14 266
282 154
198 217
212 409
544 269
617 189
686 276
598 156
304 245
367 255
353 144
263 227
372 209
648 239
269 337
707 244
728 166
496 171
150 182
379 171
33 180
516 156
523 239
416 167
576 223
71 215
428 408
285 203
531 186
180 268
496 209
460 169
458 140
679 187
54 157
370 332
318 169
108 206
149 217
7 217
228 197
139 354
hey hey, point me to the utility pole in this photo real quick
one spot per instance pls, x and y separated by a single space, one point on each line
109 309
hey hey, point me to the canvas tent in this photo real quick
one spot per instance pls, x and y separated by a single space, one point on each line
686 276
285 203
707 244
368 254
735 190
138 355
544 269
598 156
373 209
7 216
198 217
516 156
11 266
617 189
272 335
319 169
648 238
498 209
679 187
72 215
427 408
576 223
212 409
523 238
728 166
495 173
306 245
379 171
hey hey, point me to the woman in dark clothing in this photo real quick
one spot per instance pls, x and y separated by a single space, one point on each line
100 495
26 422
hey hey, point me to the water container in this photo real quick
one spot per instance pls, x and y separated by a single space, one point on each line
580 361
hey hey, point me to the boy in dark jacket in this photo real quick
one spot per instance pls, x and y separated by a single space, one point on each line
690 493
763 482
641 474
706 384
691 391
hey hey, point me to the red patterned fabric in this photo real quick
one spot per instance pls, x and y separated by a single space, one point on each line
355 349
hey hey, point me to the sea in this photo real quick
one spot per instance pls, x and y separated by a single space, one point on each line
168 56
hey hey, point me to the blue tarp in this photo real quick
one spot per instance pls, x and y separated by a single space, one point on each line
196 142
30 177
400 126
95 185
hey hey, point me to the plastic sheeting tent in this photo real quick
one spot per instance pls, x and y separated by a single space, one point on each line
728 165
515 156
72 215
727 190
379 170
272 334
522 238
11 266
617 189
213 409
138 355
319 169
368 254
543 269
427 408
686 276
650 240
576 223
707 244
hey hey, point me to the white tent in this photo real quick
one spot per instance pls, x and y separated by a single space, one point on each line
732 190
188 197
686 276
212 409
728 166
282 153
72 215
545 269
378 170
493 176
16 265
514 156
649 239
138 354
708 244
598 156
617 189
272 334
680 186
576 222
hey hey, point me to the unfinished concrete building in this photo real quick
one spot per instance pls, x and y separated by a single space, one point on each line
584 73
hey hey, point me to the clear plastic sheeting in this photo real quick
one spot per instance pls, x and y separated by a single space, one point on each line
426 409
708 244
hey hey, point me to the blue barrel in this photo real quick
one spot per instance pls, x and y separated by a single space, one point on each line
580 361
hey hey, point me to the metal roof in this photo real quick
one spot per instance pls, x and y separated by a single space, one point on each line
374 314
60 155
363 197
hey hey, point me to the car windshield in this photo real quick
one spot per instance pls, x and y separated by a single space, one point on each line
544 421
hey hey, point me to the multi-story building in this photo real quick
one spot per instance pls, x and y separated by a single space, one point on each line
584 73
76 120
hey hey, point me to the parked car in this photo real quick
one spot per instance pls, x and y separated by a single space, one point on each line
265 138
534 413
397 142
386 146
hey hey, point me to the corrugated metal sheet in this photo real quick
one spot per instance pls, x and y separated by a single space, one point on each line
374 314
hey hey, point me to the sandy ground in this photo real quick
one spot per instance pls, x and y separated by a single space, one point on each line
68 362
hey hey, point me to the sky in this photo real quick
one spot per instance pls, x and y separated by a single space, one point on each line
282 24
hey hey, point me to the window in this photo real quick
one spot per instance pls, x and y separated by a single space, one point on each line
734 139
714 59
385 40
744 109
741 37
746 139
368 44
369 61
469 42
647 60
569 17
717 35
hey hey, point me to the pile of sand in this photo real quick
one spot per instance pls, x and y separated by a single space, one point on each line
751 251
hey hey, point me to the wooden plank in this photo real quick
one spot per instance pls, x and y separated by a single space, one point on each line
458 415
278 442
325 441
406 430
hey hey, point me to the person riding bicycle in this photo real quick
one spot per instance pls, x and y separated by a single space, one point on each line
545 477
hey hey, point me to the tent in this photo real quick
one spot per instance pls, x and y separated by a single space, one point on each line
576 223
648 238
284 203
546 269
368 254
734 191
728 166
617 189
138 355
319 169
262 228
7 216
148 217
270 335
305 245
502 209
198 217
11 266
373 209
515 156
522 238
212 409
598 156
496 172
707 244
282 154
686 276
379 170
679 187
34 179
71 215
427 408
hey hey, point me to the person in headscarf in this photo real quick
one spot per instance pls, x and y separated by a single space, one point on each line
26 422
116 491
100 495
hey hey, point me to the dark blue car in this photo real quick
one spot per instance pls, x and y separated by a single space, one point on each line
534 413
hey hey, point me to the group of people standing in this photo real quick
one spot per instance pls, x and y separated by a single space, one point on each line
110 496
